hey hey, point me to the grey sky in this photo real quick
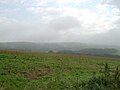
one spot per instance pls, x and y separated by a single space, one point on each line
87 21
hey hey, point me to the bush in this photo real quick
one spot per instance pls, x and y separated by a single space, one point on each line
108 80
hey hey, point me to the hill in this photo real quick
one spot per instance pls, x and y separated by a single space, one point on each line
55 46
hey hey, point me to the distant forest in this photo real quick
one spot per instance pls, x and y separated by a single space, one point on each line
94 51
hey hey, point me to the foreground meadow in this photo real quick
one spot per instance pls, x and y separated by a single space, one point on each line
47 71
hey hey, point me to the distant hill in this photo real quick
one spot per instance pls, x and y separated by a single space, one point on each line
55 46
94 51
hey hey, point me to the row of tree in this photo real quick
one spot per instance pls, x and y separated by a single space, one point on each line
94 51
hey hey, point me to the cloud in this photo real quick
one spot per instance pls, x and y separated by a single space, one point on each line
13 30
53 7
64 23
59 20
46 11
110 38
65 28
108 21
115 3
62 3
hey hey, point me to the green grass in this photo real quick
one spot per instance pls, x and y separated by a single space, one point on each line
42 71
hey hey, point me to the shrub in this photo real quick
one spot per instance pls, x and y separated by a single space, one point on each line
108 80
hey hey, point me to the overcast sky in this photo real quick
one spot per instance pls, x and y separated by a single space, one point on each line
87 21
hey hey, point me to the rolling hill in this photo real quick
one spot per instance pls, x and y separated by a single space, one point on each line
54 46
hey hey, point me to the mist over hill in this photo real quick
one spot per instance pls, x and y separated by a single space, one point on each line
54 46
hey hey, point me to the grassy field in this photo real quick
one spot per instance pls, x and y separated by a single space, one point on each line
45 71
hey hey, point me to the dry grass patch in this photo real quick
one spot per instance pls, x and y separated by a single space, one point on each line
36 74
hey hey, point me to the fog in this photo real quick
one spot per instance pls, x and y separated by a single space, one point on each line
85 21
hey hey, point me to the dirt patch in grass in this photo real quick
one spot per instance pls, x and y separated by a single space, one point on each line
36 74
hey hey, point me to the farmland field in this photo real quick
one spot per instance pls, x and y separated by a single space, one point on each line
47 71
